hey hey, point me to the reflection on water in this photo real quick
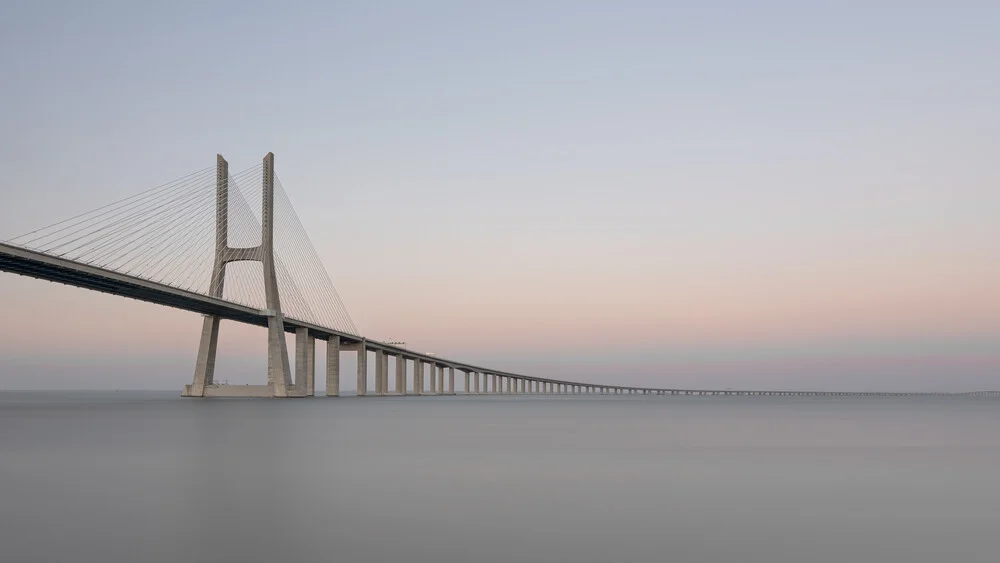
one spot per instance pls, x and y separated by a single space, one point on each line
151 477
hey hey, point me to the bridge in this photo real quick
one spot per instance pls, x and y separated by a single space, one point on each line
197 244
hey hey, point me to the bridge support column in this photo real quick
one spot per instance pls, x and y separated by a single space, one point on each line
433 374
204 368
333 366
379 372
305 362
400 375
362 368
468 377
451 380
440 376
385 373
418 377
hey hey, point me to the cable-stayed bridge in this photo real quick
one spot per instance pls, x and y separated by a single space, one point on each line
230 246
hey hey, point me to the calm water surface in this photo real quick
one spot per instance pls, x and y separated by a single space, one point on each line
109 477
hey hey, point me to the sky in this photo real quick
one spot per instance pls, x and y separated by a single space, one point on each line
704 194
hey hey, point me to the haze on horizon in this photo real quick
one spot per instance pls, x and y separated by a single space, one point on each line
652 193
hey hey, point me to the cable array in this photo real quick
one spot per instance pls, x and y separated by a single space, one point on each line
299 262
167 235
157 235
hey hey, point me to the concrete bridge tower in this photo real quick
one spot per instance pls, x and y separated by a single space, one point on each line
279 382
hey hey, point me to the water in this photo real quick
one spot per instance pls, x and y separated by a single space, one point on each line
110 477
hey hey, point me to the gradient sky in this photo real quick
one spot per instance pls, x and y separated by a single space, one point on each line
707 194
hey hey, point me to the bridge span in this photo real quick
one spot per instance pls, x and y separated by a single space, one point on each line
144 229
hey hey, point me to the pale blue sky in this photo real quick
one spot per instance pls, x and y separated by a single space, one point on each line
589 188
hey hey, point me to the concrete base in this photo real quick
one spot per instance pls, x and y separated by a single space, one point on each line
260 391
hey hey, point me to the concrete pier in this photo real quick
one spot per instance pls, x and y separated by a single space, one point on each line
305 362
400 375
333 367
418 377
379 372
362 368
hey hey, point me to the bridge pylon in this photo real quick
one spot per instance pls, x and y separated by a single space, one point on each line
279 377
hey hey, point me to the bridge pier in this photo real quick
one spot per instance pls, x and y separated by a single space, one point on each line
333 366
385 373
305 362
400 375
379 372
362 368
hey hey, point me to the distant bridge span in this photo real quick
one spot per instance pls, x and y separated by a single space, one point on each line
94 265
